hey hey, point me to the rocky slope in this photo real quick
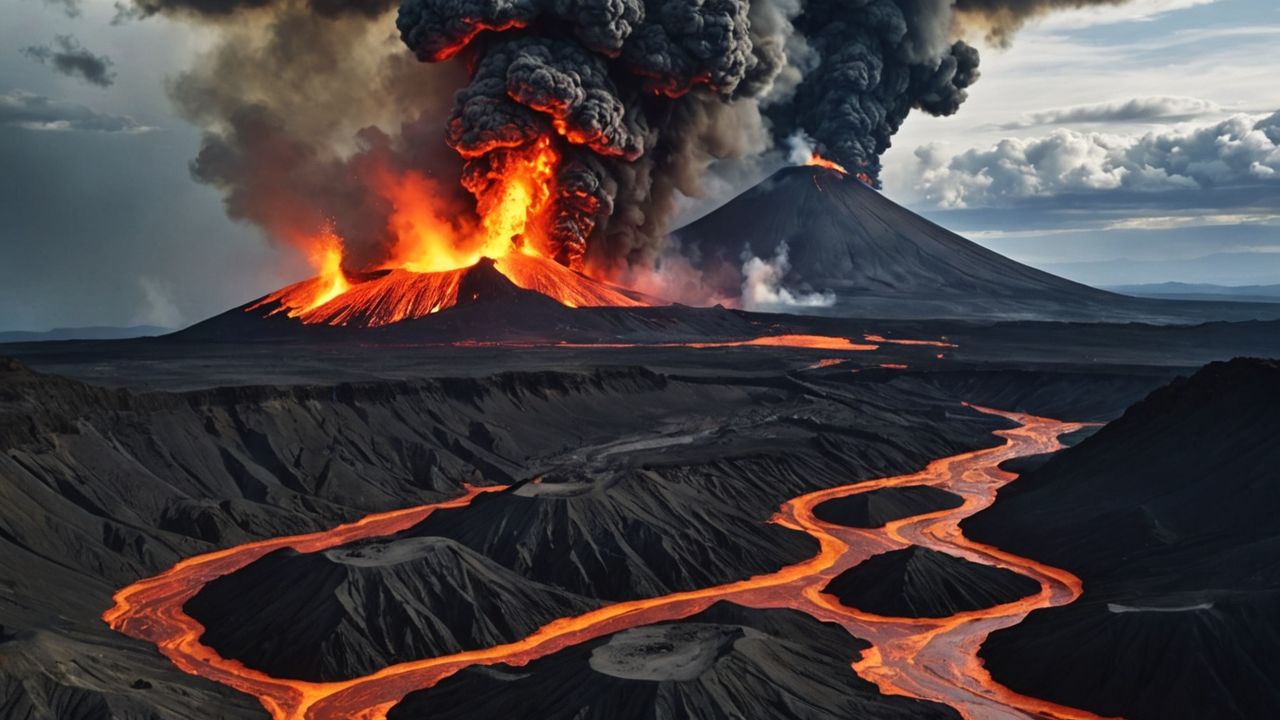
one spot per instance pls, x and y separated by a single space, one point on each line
682 505
351 611
726 663
1169 515
100 487
874 509
919 582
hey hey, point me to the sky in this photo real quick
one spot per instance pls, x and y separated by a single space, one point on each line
1135 144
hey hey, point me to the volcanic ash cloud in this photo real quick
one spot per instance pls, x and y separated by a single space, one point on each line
615 107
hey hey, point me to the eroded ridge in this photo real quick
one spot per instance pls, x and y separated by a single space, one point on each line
927 658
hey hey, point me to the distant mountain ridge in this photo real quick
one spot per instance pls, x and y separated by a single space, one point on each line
1201 291
93 332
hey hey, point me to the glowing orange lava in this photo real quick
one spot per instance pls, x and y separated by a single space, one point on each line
325 253
928 658
882 340
811 342
816 342
434 247
817 160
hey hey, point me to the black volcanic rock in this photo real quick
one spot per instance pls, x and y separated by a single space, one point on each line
351 611
919 582
630 537
884 261
877 507
726 663
1171 517
100 487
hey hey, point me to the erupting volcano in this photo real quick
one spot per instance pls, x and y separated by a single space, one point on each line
392 295
816 160
547 133
438 262
521 447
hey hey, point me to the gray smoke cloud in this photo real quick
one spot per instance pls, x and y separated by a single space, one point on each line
304 101
306 114
67 56
876 63
1000 19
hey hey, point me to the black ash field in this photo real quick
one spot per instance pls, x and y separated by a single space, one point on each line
636 453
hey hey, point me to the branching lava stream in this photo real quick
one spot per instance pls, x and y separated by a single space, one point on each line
930 658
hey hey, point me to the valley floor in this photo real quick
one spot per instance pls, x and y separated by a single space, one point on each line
621 475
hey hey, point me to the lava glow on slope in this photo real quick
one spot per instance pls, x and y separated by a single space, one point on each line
802 342
390 296
433 252
928 658
816 160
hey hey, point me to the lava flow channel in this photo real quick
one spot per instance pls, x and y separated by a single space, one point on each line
927 658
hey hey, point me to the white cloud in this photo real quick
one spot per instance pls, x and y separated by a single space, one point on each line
1143 109
1243 150
1132 11
762 284
37 112
1169 222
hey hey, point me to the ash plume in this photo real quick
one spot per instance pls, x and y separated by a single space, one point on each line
876 64
306 102
305 112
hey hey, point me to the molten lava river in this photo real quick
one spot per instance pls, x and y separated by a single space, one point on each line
930 658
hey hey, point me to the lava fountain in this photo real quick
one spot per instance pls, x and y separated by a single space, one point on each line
434 256
816 160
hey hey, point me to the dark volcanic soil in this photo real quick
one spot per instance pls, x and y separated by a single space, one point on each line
1169 515
874 509
102 487
672 505
659 479
351 611
726 663
919 582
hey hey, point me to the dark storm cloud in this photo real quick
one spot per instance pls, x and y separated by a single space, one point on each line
67 56
37 112
1135 110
